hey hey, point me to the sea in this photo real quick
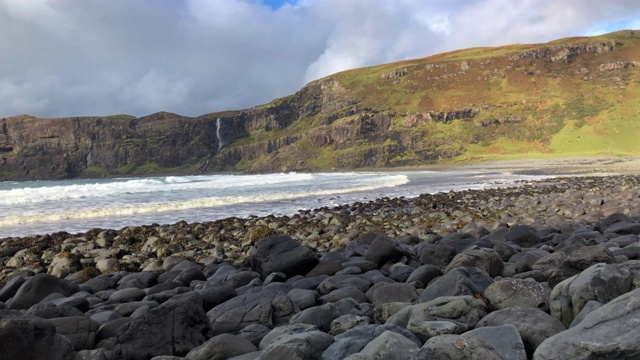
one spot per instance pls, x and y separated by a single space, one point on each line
42 207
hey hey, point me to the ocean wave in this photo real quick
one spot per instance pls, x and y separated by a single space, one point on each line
210 202
117 187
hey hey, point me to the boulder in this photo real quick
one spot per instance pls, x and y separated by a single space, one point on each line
508 293
343 293
39 287
394 292
328 267
484 259
464 280
284 331
534 325
390 346
443 315
615 218
505 340
588 308
282 254
80 330
221 347
624 228
436 254
424 274
586 256
173 328
254 333
354 340
383 312
332 283
9 289
458 241
300 346
266 307
456 347
600 282
347 322
523 235
140 280
608 332
50 311
215 295
383 250
320 316
303 298
26 337
524 260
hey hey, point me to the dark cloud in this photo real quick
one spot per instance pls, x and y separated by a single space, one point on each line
66 57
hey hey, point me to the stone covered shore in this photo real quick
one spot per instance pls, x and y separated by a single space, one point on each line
548 270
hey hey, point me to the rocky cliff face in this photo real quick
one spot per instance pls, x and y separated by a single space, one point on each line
69 147
470 104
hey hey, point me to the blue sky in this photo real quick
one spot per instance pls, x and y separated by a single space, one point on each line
276 4
95 57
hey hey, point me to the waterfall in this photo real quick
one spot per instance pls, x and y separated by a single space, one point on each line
220 143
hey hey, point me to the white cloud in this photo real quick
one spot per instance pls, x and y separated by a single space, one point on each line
65 57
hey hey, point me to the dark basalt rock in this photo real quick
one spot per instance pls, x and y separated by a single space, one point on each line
282 254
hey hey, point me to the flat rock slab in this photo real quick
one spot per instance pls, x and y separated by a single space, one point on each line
608 332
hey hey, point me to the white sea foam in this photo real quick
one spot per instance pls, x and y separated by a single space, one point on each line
118 187
209 202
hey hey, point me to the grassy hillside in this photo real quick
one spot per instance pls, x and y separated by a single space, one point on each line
570 97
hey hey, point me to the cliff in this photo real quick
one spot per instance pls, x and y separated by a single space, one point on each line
576 96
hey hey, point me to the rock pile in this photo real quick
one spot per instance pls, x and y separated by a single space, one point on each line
383 280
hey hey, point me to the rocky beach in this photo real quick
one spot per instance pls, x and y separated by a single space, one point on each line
542 270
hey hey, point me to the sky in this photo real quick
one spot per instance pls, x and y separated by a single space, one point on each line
192 57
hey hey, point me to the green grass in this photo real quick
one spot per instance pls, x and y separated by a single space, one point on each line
527 108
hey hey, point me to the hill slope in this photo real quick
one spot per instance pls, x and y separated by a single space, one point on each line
570 97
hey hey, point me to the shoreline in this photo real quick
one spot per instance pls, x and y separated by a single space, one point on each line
556 167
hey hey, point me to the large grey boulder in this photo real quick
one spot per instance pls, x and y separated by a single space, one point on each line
508 293
444 315
390 345
505 340
454 347
347 322
600 282
485 259
463 280
266 307
80 330
393 292
282 254
354 340
383 250
335 282
280 332
523 235
221 347
173 328
26 337
609 332
303 298
534 326
320 316
39 287
424 274
9 289
307 345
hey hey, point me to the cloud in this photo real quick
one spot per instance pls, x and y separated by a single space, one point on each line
66 58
